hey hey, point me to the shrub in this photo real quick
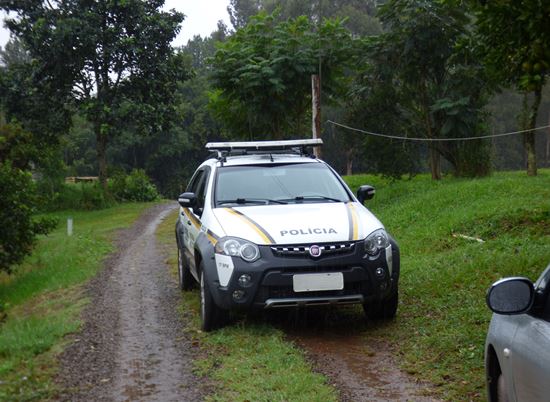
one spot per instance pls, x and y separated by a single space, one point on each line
133 187
18 231
87 196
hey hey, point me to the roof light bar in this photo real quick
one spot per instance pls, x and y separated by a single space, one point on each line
263 145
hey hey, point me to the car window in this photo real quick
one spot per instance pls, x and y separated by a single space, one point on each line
192 186
197 185
279 182
201 192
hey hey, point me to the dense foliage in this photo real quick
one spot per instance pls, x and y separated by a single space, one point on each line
514 37
263 74
118 99
112 59
18 205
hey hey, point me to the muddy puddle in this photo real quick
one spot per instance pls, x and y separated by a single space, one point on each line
340 344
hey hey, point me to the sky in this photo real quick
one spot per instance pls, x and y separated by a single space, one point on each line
202 17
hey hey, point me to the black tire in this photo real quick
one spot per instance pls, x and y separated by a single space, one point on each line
383 310
212 316
185 279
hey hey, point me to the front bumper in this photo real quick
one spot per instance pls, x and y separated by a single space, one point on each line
271 284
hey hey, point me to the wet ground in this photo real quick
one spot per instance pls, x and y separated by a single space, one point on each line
341 346
132 346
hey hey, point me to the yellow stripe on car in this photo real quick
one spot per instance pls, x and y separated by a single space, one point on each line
253 225
354 222
192 218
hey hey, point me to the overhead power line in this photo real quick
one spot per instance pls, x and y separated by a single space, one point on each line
396 137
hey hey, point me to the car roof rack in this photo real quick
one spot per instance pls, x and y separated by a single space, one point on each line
224 149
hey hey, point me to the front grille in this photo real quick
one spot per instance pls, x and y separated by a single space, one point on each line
303 250
279 292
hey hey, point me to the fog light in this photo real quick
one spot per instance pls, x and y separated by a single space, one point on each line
245 281
380 273
238 295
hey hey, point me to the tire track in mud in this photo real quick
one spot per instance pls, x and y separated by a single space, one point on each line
361 368
132 346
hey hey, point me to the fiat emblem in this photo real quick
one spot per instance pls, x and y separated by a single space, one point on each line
315 251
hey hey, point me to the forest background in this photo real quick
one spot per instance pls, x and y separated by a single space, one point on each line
96 89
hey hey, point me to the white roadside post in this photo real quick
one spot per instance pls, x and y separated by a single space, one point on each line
69 226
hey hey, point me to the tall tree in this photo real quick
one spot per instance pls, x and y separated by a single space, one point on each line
514 36
359 14
263 71
26 98
441 88
113 58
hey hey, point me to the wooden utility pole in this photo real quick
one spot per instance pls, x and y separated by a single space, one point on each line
316 110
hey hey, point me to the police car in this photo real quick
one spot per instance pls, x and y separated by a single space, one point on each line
268 225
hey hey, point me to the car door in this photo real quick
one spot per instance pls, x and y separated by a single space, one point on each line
530 354
192 216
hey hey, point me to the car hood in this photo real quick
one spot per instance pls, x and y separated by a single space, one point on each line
298 223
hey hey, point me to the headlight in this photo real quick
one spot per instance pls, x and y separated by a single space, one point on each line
236 247
376 241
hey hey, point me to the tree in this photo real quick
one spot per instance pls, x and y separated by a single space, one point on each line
18 198
113 58
28 99
262 73
359 15
514 37
428 54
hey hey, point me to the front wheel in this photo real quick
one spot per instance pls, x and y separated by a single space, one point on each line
212 316
184 275
383 310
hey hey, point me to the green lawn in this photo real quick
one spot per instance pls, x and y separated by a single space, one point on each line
43 298
442 319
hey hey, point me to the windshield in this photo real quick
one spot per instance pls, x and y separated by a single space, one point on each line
278 184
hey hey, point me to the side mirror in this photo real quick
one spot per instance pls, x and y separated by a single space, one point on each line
187 200
365 193
511 296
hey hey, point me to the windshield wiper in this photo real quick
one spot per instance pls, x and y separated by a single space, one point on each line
315 197
243 201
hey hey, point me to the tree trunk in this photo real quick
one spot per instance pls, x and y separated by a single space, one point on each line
435 163
101 141
316 111
529 137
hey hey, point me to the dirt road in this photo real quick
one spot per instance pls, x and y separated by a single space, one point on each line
132 347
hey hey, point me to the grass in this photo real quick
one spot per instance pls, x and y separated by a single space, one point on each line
442 319
43 298
248 360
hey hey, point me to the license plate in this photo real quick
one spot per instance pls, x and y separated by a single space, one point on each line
317 282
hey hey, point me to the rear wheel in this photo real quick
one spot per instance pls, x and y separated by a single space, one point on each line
184 275
383 310
212 316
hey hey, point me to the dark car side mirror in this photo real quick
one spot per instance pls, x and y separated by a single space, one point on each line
187 200
511 296
365 193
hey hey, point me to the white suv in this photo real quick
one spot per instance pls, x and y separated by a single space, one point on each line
268 225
